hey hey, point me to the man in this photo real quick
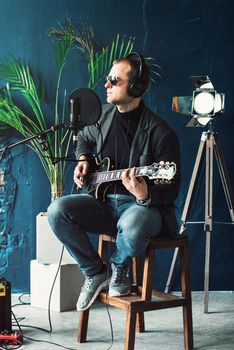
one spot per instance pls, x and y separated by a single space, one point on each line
135 209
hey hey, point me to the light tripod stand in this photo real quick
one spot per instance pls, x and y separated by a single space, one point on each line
209 146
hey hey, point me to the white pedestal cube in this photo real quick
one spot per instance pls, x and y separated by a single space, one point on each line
48 247
66 289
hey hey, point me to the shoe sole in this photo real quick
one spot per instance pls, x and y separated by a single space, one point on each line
102 285
118 294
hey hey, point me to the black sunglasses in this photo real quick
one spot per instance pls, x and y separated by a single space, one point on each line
112 80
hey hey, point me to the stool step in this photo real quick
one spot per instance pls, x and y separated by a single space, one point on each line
139 305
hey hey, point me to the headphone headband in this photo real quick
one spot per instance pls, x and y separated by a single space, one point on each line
136 86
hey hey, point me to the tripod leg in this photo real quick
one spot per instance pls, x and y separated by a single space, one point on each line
224 177
172 269
194 178
188 204
207 272
214 147
208 212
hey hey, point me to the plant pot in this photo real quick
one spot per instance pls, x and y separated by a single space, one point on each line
48 247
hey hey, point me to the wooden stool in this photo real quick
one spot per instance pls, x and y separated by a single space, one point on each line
143 297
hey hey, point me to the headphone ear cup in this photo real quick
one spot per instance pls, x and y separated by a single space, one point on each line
136 88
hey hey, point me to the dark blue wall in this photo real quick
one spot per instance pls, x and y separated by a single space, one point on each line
185 38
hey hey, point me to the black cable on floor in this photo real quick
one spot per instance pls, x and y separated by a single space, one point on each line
48 342
33 339
52 288
49 315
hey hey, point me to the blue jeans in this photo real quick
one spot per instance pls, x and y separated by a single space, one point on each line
72 217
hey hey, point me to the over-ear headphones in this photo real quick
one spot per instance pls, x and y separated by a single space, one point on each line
136 86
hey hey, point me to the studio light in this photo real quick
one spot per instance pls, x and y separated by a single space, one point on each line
203 105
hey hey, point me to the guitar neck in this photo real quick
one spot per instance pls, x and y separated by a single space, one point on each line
112 175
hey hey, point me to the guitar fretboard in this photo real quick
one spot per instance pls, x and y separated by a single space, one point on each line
112 175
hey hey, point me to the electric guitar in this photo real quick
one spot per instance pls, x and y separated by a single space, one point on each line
162 172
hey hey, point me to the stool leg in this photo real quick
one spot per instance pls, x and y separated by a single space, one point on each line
148 274
130 330
102 249
137 270
186 292
140 322
137 280
83 326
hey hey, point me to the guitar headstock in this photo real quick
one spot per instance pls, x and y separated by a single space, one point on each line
162 172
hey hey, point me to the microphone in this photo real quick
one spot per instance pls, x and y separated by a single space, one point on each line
75 121
85 108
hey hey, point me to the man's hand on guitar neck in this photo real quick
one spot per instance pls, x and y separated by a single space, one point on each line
135 185
80 171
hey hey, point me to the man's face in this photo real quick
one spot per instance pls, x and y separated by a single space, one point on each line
116 85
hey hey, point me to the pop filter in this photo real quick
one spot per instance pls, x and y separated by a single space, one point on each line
84 107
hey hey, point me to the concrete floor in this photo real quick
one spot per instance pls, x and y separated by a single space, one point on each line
164 330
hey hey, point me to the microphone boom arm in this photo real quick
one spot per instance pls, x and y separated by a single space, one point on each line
38 135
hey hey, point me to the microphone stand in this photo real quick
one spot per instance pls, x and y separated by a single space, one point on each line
39 135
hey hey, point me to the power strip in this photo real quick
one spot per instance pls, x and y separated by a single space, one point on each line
11 338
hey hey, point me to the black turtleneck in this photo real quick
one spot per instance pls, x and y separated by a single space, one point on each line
119 140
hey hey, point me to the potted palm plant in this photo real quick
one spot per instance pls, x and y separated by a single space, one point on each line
30 121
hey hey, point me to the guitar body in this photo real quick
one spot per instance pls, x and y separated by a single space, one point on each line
98 188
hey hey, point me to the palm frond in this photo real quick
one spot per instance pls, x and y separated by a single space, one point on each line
82 35
18 75
13 116
99 58
102 62
153 68
61 49
20 80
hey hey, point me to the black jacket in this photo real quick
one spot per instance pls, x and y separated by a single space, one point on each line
154 141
